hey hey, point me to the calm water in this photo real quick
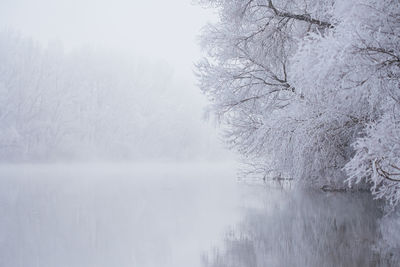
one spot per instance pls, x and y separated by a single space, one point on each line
113 215
297 228
176 215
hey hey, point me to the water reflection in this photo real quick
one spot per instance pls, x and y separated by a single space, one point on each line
305 229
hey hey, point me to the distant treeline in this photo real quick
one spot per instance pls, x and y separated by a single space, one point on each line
57 105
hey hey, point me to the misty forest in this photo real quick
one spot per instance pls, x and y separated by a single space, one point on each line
209 133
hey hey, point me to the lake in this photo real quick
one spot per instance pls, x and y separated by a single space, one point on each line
171 214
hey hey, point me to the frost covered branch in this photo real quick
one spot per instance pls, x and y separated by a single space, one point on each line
309 89
304 17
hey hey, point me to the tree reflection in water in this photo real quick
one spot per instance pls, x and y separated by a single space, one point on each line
305 229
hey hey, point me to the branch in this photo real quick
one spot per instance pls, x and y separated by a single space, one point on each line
386 174
328 188
303 17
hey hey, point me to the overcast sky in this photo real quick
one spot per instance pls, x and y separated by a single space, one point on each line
154 29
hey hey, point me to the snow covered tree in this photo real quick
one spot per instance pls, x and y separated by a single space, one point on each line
377 152
246 74
296 83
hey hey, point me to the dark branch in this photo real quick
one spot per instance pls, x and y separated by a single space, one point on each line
303 17
386 174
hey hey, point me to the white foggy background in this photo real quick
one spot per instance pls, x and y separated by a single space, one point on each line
148 47
84 82
152 29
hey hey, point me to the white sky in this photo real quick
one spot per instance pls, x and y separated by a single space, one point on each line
153 29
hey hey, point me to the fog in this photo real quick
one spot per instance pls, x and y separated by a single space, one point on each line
151 29
106 158
90 80
116 215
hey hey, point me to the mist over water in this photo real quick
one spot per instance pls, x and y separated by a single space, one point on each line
106 161
115 214
170 214
102 122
